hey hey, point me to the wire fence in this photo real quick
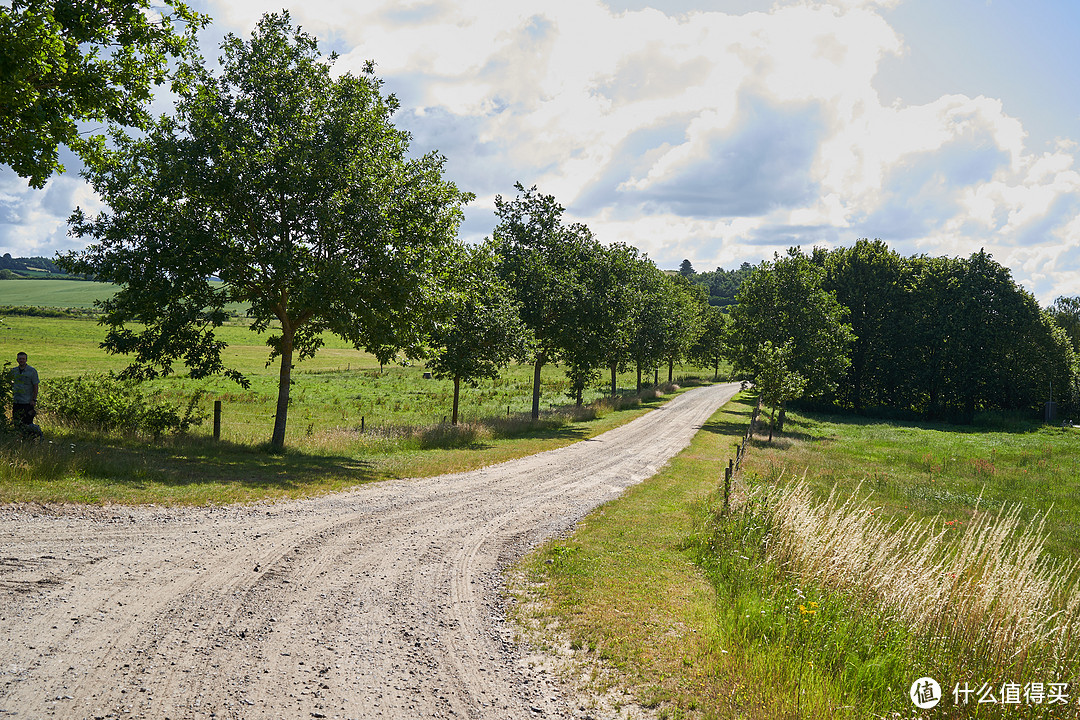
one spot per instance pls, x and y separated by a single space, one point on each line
734 465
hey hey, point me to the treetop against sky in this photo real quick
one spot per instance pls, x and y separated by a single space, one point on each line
716 130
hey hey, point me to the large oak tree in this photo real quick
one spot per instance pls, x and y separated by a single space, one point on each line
279 186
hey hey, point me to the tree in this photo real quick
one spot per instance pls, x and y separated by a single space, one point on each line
775 379
684 304
783 302
651 320
290 186
869 280
710 347
1066 313
66 62
612 277
541 260
686 269
482 331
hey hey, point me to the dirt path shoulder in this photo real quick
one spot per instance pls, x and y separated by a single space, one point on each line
377 603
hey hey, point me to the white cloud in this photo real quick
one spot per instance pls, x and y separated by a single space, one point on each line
714 136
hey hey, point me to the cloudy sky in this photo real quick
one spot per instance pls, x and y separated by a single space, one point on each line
720 131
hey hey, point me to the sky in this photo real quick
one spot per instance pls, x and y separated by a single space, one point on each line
718 131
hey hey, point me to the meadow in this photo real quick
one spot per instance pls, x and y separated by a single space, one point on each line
54 293
857 557
350 421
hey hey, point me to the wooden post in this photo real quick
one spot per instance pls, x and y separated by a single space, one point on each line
361 423
217 419
727 487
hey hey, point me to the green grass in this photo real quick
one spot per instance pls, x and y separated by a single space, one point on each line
627 596
333 395
54 293
928 470
794 605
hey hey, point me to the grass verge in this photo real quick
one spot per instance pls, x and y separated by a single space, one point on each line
81 465
796 605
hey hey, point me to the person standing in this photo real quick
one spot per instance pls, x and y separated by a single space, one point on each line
24 381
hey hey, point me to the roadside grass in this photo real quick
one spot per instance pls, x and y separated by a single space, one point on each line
350 422
797 604
933 469
622 594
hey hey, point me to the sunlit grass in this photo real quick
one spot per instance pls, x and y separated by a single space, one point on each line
796 606
350 421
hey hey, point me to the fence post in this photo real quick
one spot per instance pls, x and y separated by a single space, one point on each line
217 419
361 423
727 487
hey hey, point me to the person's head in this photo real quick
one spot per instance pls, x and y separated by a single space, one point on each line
21 359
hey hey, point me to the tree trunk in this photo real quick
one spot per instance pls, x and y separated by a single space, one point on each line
639 377
670 369
614 386
457 392
716 371
580 390
277 442
783 416
772 416
536 387
656 376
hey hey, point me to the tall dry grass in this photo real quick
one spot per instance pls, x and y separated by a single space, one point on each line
980 597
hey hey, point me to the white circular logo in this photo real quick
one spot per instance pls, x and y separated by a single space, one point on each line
925 693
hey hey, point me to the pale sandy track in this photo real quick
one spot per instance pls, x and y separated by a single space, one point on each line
378 603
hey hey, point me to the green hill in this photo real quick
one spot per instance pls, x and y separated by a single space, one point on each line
54 293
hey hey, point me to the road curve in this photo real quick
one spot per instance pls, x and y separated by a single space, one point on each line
382 602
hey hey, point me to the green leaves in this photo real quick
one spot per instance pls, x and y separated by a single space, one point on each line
278 186
69 61
784 303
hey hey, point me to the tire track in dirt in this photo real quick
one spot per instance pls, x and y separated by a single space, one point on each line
383 602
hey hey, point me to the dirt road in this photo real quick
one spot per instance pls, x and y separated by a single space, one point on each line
378 603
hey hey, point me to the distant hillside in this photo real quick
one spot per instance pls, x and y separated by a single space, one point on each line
55 293
39 268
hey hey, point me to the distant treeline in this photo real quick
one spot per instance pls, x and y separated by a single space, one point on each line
944 337
40 268
722 285
932 337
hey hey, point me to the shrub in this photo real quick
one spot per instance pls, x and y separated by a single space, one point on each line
108 403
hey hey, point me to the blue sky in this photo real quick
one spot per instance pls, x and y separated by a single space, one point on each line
720 131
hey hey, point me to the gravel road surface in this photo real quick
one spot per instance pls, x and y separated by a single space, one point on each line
383 602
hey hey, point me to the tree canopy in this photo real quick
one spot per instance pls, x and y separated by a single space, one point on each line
290 186
783 302
480 332
66 62
542 260
943 337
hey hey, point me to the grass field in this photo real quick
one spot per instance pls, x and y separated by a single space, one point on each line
54 293
930 470
334 395
796 605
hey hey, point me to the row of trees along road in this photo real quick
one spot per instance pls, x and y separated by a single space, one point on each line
587 305
278 185
866 329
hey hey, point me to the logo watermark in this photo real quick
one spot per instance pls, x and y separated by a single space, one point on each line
925 693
